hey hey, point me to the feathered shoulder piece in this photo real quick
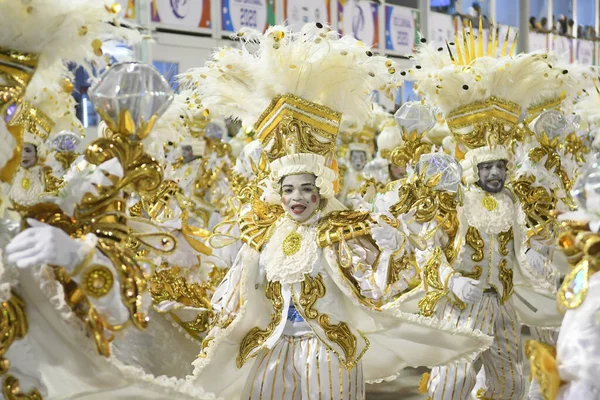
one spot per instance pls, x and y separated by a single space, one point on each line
314 64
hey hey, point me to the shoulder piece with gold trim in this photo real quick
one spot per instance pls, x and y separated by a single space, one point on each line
343 225
255 225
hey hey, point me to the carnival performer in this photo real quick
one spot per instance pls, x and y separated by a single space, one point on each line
476 274
298 314
68 281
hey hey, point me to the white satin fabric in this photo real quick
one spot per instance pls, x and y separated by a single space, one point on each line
504 377
302 368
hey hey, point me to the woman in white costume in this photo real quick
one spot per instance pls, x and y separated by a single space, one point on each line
298 314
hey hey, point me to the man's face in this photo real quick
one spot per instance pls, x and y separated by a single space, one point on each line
492 175
397 172
29 156
358 159
300 196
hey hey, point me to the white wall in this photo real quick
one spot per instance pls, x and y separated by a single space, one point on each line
188 51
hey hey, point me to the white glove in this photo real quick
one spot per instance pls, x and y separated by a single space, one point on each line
386 237
45 244
465 288
537 262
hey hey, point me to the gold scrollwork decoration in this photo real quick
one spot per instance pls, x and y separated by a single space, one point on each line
506 277
504 239
257 336
476 243
313 289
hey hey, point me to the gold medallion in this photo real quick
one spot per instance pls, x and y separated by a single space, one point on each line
489 203
291 244
25 183
98 281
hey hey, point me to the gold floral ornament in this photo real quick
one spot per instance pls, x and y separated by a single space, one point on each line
415 120
104 213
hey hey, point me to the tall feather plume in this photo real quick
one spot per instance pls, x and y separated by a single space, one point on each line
314 64
463 72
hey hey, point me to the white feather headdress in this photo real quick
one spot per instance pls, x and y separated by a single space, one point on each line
314 64
470 84
284 79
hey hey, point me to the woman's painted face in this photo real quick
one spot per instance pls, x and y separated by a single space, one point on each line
300 196
28 156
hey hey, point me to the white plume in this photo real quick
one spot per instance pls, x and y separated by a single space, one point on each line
314 64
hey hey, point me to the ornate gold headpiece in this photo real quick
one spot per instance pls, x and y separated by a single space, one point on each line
292 125
484 123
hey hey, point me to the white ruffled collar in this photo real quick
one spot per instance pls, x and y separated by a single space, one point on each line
291 268
490 221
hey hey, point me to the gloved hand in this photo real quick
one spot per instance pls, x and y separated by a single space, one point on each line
45 244
537 262
386 237
465 288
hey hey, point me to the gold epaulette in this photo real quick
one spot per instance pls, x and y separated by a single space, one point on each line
255 225
343 225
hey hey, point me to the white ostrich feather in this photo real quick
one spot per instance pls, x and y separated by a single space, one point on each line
58 29
525 79
314 64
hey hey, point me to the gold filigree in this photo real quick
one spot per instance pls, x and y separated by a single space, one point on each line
503 239
505 275
291 244
538 205
13 326
257 336
410 151
436 289
475 241
293 125
65 158
97 281
549 149
34 121
168 284
488 122
474 274
429 204
52 184
577 147
343 225
313 289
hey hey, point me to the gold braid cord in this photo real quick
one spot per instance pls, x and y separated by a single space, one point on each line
13 326
105 216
